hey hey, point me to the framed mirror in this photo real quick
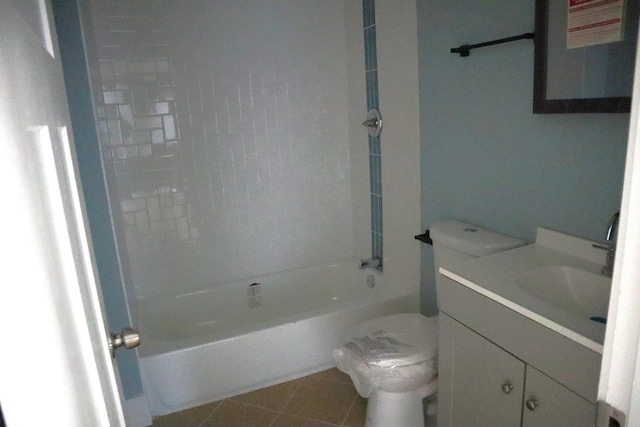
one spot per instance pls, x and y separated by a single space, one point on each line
581 75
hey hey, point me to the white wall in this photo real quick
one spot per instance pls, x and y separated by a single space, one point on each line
358 136
396 28
233 139
227 127
397 43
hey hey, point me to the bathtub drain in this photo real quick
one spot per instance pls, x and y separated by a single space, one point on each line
371 281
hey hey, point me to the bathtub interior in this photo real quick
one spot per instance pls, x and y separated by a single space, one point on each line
183 373
227 306
227 310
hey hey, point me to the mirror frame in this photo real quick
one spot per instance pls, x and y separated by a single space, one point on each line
542 105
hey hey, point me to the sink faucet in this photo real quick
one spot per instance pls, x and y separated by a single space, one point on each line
613 226
609 246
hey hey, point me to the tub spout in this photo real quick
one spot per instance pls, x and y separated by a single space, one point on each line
369 263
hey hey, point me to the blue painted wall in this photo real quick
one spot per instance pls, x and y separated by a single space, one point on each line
88 154
485 157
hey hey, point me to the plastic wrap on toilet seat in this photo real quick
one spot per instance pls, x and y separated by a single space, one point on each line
393 351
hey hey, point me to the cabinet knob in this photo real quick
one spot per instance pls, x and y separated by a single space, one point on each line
506 388
531 404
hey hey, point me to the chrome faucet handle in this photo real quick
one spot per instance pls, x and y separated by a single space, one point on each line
371 123
613 222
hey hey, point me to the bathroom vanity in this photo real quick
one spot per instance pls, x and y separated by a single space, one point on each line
518 343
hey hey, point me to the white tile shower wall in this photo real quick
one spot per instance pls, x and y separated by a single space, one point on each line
396 25
226 129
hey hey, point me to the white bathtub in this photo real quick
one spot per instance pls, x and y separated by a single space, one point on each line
214 343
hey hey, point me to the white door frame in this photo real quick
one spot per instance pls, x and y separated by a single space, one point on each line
620 373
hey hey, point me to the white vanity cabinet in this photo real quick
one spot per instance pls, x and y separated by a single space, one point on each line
480 384
494 362
549 403
518 342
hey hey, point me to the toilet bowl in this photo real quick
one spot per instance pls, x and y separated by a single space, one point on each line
392 360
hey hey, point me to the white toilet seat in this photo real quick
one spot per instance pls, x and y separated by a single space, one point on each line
407 378
396 353
397 340
392 360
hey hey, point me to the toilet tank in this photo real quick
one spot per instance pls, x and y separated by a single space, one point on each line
455 241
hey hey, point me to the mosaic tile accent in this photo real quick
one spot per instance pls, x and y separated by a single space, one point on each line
375 158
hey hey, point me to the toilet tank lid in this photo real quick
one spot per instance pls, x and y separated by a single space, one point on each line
470 239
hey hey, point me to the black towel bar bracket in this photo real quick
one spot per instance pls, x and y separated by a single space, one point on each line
425 238
465 48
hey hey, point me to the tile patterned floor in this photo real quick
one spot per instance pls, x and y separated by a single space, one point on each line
325 399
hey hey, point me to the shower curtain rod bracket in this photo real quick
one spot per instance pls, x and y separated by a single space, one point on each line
465 48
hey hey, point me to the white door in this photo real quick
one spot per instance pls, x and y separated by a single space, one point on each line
620 375
55 365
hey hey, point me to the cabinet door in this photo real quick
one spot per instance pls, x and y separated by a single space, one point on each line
548 403
473 373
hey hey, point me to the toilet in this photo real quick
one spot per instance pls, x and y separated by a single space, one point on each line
392 360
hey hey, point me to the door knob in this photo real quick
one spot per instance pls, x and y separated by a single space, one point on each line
506 388
531 404
129 338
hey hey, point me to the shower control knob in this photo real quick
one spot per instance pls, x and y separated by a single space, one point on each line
373 122
506 388
129 338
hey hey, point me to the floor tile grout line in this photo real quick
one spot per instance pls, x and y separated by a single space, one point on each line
309 419
252 405
281 412
288 400
245 404
353 402
211 413
294 393
274 419
326 380
315 378
259 407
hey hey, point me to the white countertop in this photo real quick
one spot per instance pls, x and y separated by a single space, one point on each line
494 276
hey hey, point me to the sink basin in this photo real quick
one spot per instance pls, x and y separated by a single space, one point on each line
555 282
576 291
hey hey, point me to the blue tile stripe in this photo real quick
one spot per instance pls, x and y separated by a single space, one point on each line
370 57
375 157
374 145
375 172
368 13
376 213
371 78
